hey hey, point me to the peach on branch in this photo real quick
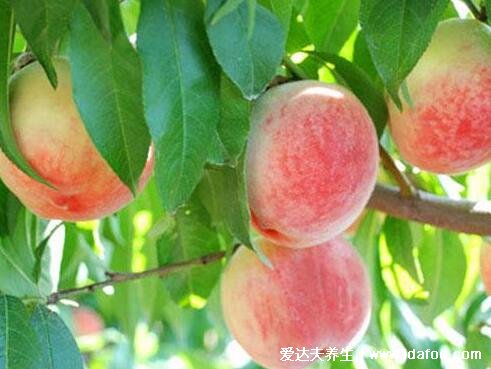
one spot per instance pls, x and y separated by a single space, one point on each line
316 297
445 125
86 322
311 164
53 139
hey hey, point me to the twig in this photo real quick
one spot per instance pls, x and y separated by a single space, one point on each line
117 278
294 69
475 10
455 215
404 184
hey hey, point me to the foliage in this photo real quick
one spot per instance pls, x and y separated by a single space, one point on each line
188 85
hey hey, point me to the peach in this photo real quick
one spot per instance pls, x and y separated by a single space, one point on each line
53 139
317 297
86 322
311 162
486 267
447 127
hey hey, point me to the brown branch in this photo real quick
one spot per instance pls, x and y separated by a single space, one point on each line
455 215
405 187
117 278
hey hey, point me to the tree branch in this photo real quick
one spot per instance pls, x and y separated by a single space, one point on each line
479 15
455 215
117 278
405 186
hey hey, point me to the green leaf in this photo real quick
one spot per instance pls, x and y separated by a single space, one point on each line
397 33
217 154
117 234
400 244
181 84
107 90
57 344
233 127
17 260
282 9
227 188
443 263
18 344
362 86
193 237
5 196
479 342
407 328
297 35
8 144
249 60
43 23
227 7
77 250
329 23
487 3
363 59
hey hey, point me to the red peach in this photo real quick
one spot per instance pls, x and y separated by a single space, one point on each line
53 139
311 163
447 128
486 267
86 322
317 297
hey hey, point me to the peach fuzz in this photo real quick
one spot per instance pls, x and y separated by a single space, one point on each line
53 139
311 163
317 297
447 128
486 267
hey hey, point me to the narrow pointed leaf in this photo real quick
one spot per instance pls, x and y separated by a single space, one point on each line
397 33
107 90
181 84
249 59
43 23
329 23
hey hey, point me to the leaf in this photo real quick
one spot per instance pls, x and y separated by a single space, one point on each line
181 87
17 260
362 86
117 234
18 343
226 8
249 60
107 90
397 33
478 342
443 263
43 23
217 154
282 9
56 343
233 127
77 251
297 35
329 23
400 244
227 188
8 144
408 329
193 237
